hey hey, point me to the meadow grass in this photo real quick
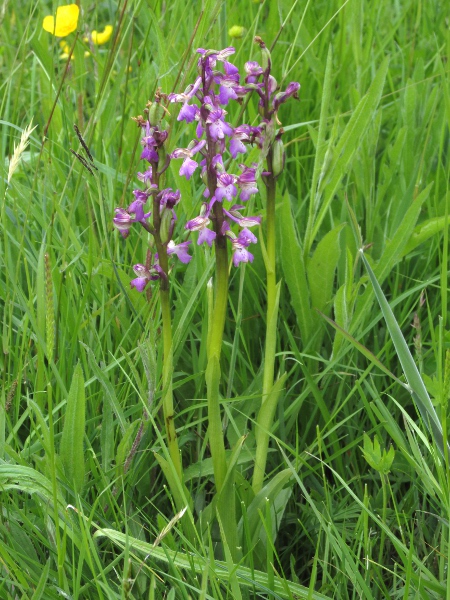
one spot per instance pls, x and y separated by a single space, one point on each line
85 512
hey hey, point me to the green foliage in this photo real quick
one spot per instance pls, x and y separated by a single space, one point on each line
71 448
86 480
380 461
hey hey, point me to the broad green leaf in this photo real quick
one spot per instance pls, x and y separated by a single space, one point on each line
269 491
294 269
321 270
71 447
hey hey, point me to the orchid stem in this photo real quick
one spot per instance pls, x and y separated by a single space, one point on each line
262 437
215 336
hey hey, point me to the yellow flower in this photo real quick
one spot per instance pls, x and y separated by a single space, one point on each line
103 36
236 31
66 50
66 20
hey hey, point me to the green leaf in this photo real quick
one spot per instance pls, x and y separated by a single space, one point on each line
424 231
380 461
294 269
246 576
348 145
417 386
71 447
321 272
391 255
109 389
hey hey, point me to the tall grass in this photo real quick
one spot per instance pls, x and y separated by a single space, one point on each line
367 150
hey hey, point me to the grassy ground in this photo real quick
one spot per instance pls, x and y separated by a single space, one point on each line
367 155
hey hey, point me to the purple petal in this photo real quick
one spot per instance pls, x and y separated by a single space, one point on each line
187 113
188 168
139 283
206 235
237 147
241 254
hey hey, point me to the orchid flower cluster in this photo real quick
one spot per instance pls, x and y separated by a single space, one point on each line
164 201
203 103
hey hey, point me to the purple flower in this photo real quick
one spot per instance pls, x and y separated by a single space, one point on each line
188 112
236 216
228 82
240 253
218 128
291 90
249 222
188 167
237 145
137 208
200 224
149 154
180 250
169 198
253 71
246 237
247 182
146 176
225 187
144 275
122 221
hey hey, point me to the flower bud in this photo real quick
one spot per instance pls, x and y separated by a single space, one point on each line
162 155
266 61
279 157
237 31
155 113
166 222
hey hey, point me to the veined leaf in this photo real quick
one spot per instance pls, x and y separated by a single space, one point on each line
294 270
71 448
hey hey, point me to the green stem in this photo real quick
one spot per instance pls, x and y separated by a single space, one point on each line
215 337
383 517
59 552
262 437
167 392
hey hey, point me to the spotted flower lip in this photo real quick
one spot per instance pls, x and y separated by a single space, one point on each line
218 127
240 253
226 187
